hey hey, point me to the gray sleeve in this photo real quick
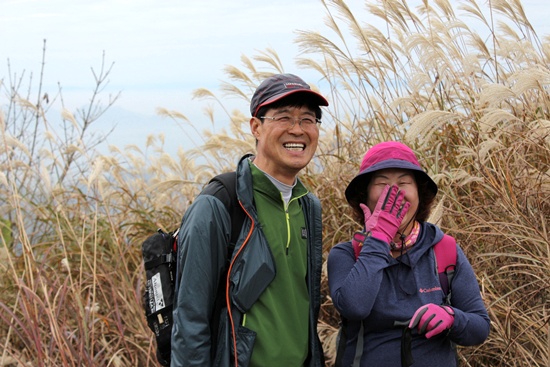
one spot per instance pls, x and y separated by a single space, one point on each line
202 252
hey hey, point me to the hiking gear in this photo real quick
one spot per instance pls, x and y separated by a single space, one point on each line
251 269
388 214
384 155
445 259
159 258
432 319
160 252
279 86
401 285
406 343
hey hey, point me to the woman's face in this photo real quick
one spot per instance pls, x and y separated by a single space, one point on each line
404 180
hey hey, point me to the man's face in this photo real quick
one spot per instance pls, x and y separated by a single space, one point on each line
282 150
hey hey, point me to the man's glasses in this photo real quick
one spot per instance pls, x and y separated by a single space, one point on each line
289 121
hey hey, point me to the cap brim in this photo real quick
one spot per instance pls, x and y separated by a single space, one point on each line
320 99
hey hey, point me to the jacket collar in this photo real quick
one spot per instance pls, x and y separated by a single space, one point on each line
430 234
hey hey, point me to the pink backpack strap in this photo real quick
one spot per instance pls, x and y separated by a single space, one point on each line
445 258
445 253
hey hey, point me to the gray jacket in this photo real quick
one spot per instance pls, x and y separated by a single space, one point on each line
202 260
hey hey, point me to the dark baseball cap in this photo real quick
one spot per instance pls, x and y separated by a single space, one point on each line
279 86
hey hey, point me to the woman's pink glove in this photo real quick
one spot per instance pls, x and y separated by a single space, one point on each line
388 214
432 319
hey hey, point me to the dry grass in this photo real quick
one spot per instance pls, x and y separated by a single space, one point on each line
473 103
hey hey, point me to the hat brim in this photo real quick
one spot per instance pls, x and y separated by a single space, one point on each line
360 181
322 101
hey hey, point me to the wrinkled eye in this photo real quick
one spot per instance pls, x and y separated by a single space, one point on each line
309 121
283 119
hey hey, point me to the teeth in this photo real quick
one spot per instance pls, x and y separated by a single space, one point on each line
294 146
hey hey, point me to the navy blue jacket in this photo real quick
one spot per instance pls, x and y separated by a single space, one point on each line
377 290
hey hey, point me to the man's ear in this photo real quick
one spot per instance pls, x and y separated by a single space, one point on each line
255 124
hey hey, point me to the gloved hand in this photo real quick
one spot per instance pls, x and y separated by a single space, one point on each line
432 319
388 214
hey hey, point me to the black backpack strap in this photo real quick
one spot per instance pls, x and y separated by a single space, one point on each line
224 187
341 342
230 200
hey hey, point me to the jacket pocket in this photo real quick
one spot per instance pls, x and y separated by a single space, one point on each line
252 272
245 345
225 350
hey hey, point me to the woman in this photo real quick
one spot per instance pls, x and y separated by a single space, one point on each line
389 295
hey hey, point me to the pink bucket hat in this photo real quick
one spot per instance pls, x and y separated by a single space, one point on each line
390 154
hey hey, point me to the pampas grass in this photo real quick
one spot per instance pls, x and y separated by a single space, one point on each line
472 102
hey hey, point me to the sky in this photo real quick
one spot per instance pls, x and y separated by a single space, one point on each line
160 51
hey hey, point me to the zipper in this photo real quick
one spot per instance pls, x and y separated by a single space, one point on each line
227 282
287 218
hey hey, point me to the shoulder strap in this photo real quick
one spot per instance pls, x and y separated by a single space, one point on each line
230 200
445 257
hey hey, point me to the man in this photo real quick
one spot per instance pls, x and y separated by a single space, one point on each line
269 313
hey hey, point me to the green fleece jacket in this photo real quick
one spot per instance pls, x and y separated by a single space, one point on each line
280 316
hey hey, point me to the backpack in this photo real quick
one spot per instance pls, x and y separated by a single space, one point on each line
160 253
445 259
